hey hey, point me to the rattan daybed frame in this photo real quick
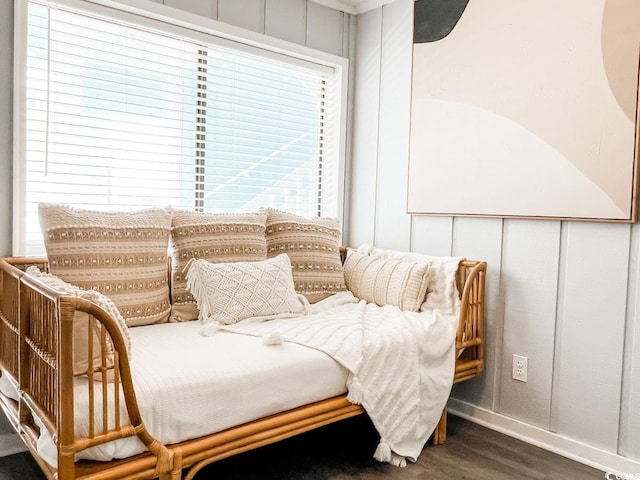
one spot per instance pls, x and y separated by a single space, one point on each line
35 321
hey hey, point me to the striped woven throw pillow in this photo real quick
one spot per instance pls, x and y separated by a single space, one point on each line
122 255
216 238
313 245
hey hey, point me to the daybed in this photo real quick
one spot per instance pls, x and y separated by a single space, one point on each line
44 386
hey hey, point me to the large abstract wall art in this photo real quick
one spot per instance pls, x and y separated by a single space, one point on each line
525 109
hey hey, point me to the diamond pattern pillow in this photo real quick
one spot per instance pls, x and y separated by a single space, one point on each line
122 255
313 245
213 237
229 292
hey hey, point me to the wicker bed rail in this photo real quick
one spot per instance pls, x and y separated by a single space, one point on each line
37 350
37 357
470 333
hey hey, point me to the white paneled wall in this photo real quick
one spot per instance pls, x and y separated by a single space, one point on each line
6 112
431 234
327 29
481 239
204 8
591 324
366 119
529 276
286 19
247 14
298 21
630 411
563 294
393 146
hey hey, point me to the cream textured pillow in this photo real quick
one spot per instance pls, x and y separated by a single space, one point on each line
213 237
229 292
313 245
81 322
122 255
386 281
442 291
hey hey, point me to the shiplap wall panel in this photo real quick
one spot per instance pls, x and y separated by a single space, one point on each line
432 235
6 138
393 224
529 278
325 28
247 14
592 338
364 163
286 19
6 141
481 239
204 8
630 405
553 277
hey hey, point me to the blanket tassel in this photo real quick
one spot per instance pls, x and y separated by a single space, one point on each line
398 460
356 392
383 451
274 338
210 329
384 454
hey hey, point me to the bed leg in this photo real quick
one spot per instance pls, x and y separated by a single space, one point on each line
440 433
176 472
171 476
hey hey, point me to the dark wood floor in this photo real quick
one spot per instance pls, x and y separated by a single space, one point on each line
344 452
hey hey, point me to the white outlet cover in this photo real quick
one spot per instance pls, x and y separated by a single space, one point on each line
520 368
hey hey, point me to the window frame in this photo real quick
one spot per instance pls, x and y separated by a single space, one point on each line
173 21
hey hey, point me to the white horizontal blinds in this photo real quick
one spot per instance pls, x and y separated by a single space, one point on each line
201 132
328 150
110 115
264 132
121 116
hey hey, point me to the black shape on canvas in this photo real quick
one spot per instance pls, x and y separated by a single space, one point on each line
435 19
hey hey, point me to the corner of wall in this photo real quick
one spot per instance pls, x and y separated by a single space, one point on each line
6 125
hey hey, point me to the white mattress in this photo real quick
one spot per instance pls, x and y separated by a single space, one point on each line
189 385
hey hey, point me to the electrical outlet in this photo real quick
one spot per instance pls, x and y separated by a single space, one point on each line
519 371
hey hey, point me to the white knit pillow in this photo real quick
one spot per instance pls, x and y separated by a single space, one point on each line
386 281
229 292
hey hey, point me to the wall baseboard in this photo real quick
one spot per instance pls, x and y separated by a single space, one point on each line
567 447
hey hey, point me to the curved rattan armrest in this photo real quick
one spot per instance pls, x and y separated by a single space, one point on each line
471 304
18 262
124 368
59 419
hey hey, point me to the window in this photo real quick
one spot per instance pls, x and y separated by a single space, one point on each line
121 112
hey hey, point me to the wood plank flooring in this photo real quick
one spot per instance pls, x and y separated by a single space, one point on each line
344 452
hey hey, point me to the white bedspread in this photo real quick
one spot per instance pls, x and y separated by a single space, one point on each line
398 365
189 385
401 364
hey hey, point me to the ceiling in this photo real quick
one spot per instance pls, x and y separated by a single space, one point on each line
353 6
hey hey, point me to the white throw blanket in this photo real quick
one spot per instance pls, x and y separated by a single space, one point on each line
401 364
